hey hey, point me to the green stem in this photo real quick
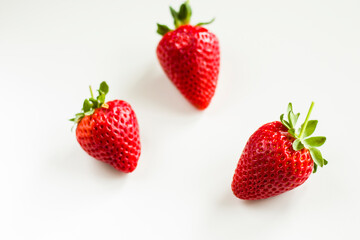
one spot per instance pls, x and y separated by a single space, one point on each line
91 92
306 120
187 19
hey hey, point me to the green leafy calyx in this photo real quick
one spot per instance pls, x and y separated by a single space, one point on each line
302 135
92 103
181 17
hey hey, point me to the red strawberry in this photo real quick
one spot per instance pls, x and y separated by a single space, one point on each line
277 159
190 57
109 131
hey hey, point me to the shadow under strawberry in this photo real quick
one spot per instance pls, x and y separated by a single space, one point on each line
153 91
105 170
69 162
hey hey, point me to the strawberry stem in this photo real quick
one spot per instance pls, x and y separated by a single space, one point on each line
306 120
181 17
90 104
91 92
303 139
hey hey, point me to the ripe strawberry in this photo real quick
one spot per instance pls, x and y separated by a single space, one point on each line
277 159
190 57
109 131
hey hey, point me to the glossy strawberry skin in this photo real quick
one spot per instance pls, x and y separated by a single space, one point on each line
111 135
190 57
269 166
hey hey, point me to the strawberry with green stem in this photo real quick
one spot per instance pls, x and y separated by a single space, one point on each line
109 131
190 57
277 158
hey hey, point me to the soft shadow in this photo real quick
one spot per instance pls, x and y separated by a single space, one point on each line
105 170
229 200
75 162
254 203
154 90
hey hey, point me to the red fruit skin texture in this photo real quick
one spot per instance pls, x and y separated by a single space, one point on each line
190 57
111 135
269 166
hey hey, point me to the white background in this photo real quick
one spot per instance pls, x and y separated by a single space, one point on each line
272 52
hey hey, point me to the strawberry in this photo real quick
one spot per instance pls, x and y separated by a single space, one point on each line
109 132
190 57
277 158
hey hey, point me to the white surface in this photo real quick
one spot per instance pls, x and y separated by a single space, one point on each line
272 52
